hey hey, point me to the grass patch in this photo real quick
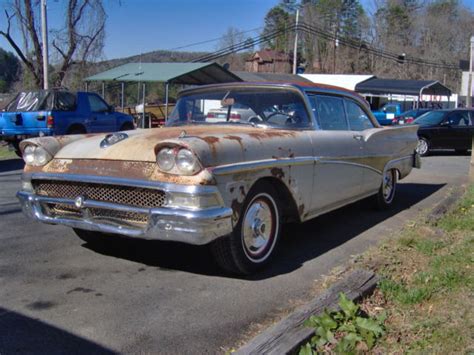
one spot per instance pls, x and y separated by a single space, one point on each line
428 284
5 153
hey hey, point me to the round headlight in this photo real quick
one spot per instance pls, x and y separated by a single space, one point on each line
36 156
41 156
165 159
29 154
186 161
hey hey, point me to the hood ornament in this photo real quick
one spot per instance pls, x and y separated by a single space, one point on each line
182 134
113 138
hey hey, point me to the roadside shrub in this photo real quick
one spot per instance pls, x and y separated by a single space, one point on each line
344 331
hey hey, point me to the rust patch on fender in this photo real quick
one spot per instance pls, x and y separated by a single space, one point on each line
278 173
261 135
235 138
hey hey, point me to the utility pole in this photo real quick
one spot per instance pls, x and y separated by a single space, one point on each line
44 35
469 82
295 49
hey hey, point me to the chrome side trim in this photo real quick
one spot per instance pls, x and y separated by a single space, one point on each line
343 162
315 213
261 164
169 187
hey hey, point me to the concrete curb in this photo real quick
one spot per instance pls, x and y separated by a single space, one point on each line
443 206
289 334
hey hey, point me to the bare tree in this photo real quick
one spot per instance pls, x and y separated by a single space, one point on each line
231 38
79 40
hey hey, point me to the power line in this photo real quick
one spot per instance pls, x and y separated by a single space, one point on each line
212 40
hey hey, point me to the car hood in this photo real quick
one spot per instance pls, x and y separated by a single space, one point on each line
220 144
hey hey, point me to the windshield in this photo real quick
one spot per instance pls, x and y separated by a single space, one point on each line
30 101
430 118
261 106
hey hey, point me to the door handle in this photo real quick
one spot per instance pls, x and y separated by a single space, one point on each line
359 137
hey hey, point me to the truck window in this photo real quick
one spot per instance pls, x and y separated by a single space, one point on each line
97 104
65 101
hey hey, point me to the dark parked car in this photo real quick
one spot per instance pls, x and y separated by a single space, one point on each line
445 129
409 116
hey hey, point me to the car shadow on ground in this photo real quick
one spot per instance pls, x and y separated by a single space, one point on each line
24 335
11 164
300 242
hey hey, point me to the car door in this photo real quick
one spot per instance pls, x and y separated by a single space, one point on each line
372 159
454 131
337 174
101 118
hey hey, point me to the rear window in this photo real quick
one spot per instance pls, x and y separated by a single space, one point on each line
30 101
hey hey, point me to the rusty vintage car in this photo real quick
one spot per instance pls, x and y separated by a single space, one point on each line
306 150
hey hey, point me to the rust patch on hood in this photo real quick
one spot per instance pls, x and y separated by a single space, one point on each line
120 169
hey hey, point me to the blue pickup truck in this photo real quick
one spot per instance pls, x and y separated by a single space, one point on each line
58 112
387 113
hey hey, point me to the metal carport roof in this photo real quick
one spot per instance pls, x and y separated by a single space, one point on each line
176 73
378 86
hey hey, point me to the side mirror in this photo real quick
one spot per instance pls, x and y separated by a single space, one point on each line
111 109
445 124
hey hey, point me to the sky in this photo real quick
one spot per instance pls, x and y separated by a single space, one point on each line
139 26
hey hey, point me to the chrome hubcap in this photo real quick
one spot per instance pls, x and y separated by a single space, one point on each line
388 185
422 147
258 228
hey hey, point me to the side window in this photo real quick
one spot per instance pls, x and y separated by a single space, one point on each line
65 101
471 114
390 109
330 112
358 119
458 118
97 104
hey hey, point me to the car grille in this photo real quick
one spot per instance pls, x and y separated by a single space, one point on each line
122 195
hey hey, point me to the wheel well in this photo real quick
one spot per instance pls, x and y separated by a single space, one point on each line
288 205
76 127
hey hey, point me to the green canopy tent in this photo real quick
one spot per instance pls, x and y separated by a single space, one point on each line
167 73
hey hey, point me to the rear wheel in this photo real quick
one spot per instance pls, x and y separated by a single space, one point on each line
423 147
386 194
252 243
16 148
76 130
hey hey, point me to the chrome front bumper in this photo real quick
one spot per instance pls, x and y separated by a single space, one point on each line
170 224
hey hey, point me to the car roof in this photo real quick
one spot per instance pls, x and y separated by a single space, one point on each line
302 86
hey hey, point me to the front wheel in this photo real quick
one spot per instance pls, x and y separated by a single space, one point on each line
386 194
423 147
252 243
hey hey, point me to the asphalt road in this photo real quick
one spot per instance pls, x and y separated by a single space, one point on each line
58 294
